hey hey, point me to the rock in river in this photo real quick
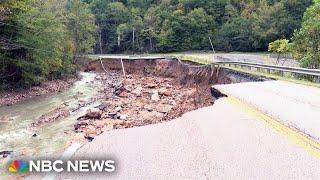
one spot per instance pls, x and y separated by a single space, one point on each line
5 154
94 113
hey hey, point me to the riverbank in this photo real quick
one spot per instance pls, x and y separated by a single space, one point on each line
33 127
10 97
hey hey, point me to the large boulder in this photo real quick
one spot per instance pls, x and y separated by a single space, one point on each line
94 113
164 92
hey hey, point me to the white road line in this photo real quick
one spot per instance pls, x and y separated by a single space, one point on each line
65 156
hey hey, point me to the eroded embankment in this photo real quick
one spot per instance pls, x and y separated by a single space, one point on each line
153 91
42 125
10 97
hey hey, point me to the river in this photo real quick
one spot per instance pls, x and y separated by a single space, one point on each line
16 134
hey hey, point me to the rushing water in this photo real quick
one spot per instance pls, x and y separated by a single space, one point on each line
16 133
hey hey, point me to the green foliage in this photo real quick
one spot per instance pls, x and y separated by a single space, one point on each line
41 38
279 46
234 35
177 25
267 22
44 38
306 46
82 27
109 15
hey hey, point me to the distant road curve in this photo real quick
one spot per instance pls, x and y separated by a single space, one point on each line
262 58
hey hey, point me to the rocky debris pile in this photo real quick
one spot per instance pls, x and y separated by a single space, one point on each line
61 112
12 97
140 100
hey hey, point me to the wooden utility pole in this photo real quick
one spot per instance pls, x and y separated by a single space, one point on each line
212 45
150 40
119 37
124 72
100 41
212 48
133 37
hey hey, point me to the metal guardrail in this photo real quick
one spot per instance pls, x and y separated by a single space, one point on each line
226 61
303 71
282 69
269 68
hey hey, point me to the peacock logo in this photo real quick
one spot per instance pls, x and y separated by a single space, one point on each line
18 166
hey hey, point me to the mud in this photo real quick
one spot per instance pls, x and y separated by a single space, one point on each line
153 91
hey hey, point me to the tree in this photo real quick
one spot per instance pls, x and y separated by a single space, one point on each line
109 15
46 46
81 24
201 26
234 35
267 23
40 38
281 47
306 47
176 25
294 12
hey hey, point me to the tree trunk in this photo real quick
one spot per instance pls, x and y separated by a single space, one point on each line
100 40
133 37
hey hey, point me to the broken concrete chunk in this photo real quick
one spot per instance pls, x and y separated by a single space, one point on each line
118 109
155 96
123 117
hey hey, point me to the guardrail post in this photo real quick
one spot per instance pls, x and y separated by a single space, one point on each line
258 69
295 75
281 73
278 70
